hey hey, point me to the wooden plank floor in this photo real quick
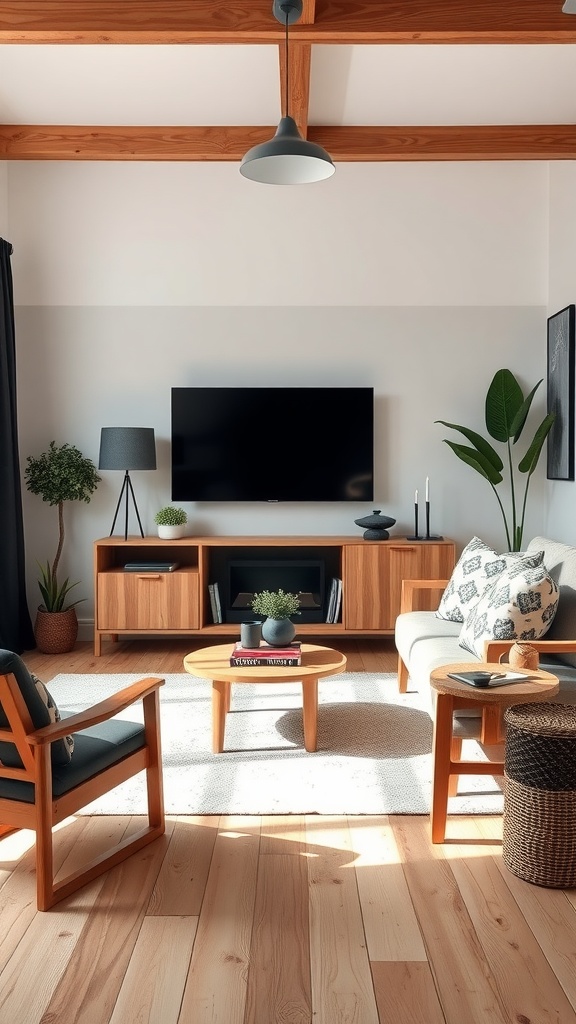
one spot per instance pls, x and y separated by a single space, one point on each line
282 920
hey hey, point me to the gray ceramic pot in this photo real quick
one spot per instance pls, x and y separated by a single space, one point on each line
278 632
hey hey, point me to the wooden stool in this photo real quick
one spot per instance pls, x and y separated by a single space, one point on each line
453 696
539 839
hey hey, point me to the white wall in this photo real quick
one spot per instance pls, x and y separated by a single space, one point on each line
421 280
561 511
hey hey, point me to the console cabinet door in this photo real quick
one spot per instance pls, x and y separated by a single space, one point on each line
365 590
151 601
372 583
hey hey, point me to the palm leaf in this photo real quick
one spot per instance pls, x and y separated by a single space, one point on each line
477 461
503 402
479 442
519 420
530 460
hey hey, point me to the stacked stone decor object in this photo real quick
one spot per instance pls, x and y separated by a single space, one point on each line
376 525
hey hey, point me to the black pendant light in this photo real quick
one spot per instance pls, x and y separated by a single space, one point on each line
287 159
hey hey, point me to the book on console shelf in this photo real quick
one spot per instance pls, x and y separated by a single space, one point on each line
289 655
215 606
150 566
334 600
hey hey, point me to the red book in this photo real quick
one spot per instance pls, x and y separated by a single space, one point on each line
266 651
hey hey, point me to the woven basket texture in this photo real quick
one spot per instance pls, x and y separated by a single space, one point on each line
539 835
541 745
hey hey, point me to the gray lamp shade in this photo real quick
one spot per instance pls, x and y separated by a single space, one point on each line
127 448
287 159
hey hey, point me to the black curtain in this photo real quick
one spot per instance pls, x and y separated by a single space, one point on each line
16 632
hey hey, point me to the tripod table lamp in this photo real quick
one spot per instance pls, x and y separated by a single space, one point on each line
127 448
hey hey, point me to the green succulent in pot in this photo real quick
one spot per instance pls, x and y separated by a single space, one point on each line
171 516
506 411
276 604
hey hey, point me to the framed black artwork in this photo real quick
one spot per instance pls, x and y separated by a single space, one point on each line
560 463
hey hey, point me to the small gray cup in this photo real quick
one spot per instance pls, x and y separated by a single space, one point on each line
250 633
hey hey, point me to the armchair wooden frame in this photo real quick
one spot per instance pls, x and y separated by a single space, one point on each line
491 727
34 749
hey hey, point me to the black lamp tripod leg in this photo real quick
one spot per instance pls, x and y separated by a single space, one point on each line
125 492
135 506
119 503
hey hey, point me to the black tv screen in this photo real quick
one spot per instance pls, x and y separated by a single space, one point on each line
272 444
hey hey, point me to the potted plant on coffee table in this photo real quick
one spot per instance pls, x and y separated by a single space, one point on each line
60 474
277 606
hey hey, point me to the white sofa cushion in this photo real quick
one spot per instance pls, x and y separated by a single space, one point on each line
560 561
477 568
520 605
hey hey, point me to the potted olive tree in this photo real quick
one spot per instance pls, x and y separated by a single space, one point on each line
277 606
60 474
171 522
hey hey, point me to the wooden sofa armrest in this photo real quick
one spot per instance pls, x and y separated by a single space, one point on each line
100 712
495 649
411 587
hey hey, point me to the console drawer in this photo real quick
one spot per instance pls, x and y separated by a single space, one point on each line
148 600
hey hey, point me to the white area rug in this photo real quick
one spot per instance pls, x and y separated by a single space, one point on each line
373 757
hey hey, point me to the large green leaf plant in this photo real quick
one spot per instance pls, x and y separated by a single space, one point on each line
60 474
506 411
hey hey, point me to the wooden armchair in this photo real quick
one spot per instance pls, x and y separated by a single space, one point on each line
417 595
41 783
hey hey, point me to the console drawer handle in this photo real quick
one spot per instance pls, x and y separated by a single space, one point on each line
149 576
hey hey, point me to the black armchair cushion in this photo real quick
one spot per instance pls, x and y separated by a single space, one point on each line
96 748
42 709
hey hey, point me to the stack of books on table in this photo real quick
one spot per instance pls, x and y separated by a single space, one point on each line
281 657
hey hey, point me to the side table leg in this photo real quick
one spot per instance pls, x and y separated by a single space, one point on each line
310 712
220 699
441 777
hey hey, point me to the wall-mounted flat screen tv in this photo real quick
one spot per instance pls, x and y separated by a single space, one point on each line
273 444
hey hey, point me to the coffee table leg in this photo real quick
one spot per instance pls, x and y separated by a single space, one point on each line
220 705
441 777
310 712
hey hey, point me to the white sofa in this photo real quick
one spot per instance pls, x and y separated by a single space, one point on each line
425 642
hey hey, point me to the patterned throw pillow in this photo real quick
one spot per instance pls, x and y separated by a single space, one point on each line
477 568
520 605
52 709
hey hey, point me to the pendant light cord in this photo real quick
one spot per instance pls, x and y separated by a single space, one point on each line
286 72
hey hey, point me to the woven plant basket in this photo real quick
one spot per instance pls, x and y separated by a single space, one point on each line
56 632
539 834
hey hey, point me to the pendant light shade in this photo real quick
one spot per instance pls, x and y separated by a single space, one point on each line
287 159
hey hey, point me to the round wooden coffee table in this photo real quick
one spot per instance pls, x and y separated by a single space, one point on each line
453 695
214 663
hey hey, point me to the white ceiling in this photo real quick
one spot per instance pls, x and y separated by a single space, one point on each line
239 85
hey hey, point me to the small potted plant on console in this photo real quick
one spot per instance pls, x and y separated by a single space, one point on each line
171 522
277 606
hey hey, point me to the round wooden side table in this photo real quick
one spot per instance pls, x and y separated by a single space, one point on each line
214 663
453 695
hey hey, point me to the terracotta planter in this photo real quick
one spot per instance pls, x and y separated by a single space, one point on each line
55 632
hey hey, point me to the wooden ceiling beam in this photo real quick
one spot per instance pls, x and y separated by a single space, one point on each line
345 144
335 21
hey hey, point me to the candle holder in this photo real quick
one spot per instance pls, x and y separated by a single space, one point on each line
416 534
430 536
